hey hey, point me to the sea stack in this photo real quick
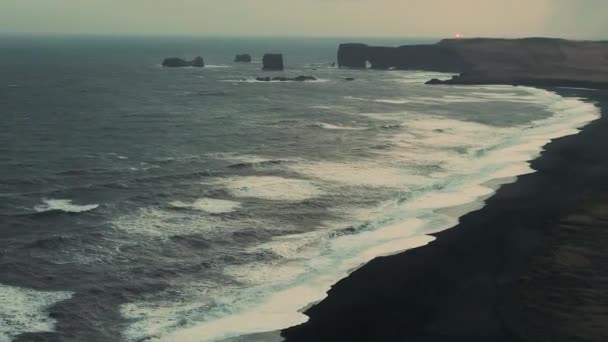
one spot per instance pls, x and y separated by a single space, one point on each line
175 62
273 61
243 58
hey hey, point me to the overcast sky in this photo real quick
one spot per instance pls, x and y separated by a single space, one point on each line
399 18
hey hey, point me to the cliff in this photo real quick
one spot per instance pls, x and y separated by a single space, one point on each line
528 61
412 57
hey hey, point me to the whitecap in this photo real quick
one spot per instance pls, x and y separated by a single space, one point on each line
338 127
271 188
161 223
353 98
65 205
209 205
25 311
364 172
217 66
164 223
394 101
418 77
253 80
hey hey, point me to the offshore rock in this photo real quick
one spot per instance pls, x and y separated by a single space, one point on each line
273 61
175 62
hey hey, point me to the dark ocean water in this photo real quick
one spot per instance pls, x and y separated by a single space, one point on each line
143 203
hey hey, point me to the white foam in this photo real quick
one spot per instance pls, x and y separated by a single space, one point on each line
389 101
438 200
364 172
257 310
441 162
248 158
163 223
336 127
24 310
249 80
353 98
271 188
63 205
209 205
418 77
475 95
160 223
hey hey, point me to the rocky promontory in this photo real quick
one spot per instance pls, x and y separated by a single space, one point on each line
175 62
527 61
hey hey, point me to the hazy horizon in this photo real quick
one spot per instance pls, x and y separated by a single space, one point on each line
315 18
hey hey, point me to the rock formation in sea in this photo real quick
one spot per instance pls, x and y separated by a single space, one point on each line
273 61
353 55
175 62
243 58
198 62
421 57
527 61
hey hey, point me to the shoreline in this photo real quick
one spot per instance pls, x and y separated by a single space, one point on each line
465 79
470 284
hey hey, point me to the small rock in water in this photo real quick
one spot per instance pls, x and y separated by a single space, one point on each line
285 79
175 62
434 81
243 58
198 62
304 78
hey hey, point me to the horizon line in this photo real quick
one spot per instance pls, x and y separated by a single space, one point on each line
276 36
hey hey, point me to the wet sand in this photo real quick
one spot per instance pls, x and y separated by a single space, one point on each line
530 266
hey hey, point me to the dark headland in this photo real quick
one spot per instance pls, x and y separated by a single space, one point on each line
530 265
543 62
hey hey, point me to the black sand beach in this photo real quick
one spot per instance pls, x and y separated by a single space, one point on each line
529 266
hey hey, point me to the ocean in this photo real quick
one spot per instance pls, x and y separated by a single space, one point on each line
141 203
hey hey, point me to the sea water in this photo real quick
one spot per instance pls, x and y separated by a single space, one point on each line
198 204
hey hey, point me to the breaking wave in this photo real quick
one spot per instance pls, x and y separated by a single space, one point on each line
25 310
437 169
209 205
63 205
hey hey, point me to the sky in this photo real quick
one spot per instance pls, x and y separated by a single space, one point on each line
584 19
